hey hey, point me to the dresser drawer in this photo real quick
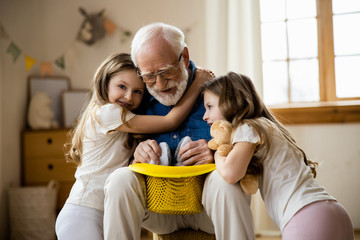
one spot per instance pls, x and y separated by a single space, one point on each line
44 143
41 170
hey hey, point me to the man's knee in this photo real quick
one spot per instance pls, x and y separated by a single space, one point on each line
120 180
215 185
215 182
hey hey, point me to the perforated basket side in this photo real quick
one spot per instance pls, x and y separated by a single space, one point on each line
179 196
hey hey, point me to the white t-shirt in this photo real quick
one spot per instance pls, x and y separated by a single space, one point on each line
286 184
103 152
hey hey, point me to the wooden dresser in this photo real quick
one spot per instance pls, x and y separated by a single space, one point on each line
43 160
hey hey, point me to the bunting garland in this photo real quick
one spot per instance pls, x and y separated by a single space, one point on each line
60 62
46 68
110 27
29 62
14 51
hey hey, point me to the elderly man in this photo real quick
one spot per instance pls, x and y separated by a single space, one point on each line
162 57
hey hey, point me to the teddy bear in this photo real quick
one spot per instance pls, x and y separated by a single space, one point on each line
40 115
221 132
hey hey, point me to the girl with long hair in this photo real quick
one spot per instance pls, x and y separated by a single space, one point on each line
262 146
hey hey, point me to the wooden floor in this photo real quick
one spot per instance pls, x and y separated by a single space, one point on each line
148 236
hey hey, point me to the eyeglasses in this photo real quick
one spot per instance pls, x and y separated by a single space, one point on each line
166 74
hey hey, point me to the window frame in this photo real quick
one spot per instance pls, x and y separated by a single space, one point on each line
329 109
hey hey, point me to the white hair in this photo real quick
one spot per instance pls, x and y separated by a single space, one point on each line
171 34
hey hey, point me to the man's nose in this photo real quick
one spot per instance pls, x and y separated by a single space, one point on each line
161 83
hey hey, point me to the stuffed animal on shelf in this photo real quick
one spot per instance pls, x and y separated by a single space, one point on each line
40 115
221 132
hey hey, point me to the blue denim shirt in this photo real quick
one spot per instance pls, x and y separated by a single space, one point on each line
193 126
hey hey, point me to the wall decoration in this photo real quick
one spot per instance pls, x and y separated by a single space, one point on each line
3 33
46 69
110 27
73 102
53 86
60 62
14 51
29 62
95 27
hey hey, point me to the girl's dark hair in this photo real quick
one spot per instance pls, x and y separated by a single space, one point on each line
240 103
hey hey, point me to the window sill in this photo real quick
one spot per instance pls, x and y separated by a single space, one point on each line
320 112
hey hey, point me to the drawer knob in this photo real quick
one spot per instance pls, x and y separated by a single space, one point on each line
49 141
50 166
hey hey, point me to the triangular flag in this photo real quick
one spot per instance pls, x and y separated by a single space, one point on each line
60 62
29 62
3 33
46 69
109 27
14 51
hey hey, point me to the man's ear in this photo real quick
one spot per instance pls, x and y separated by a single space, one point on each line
186 56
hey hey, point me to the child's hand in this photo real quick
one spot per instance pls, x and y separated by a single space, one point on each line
203 75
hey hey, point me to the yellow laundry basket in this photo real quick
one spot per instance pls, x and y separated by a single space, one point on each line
173 189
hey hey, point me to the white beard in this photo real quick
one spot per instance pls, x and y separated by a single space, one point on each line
170 100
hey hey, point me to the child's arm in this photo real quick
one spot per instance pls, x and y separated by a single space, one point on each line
233 166
157 124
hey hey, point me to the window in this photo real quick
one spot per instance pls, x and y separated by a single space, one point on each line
311 58
346 21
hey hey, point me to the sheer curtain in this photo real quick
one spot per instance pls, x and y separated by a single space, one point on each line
233 44
233 38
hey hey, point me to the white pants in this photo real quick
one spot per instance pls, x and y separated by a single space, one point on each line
227 209
76 222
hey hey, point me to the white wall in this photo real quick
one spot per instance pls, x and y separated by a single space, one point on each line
2 202
336 147
13 83
46 28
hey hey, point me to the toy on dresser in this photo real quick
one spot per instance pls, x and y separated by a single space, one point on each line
40 115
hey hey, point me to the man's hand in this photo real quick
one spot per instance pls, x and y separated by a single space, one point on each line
196 153
146 151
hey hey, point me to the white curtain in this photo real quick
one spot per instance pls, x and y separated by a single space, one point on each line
233 38
234 44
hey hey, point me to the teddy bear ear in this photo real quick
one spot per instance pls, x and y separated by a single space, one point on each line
225 125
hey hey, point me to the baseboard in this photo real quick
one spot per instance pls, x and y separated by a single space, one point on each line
270 233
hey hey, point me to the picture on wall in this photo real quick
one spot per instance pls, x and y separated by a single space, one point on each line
73 103
52 86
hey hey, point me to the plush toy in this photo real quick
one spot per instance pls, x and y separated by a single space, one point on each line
221 132
40 115
92 29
